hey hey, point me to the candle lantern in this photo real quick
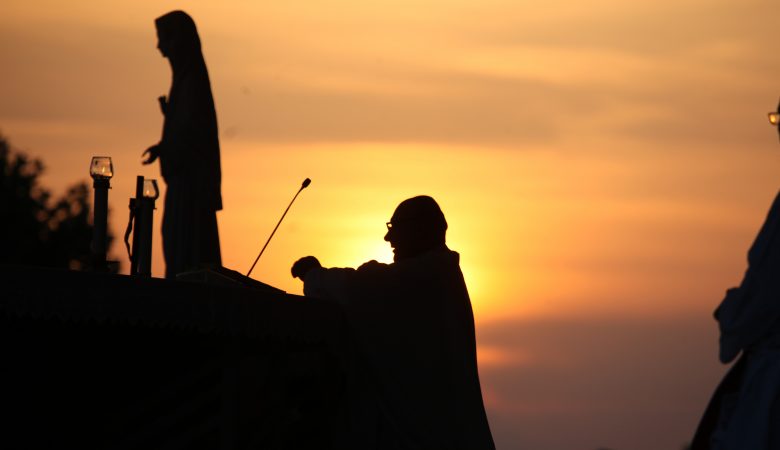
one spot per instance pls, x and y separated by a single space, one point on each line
774 116
101 169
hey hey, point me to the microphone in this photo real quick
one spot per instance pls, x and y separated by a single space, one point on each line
304 185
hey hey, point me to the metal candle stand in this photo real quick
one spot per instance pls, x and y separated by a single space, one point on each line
142 213
101 170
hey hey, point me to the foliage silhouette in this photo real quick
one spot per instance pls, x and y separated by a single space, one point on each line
33 229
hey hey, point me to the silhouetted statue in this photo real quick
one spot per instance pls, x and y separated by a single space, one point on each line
415 383
744 413
188 151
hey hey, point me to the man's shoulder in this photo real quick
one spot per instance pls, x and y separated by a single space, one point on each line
374 268
436 257
431 263
373 265
436 260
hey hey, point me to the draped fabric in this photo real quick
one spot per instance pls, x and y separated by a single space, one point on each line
189 153
415 364
751 312
745 410
190 234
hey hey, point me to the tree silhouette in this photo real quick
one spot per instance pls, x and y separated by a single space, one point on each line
33 230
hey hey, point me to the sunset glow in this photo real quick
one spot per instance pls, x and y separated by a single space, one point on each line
603 167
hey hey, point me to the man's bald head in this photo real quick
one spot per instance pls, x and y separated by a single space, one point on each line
417 225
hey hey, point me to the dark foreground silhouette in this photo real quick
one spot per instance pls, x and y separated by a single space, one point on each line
101 361
188 151
744 412
414 380
34 230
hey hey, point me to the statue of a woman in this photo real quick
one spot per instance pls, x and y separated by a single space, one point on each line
188 151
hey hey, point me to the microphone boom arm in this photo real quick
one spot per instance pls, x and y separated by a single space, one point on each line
305 183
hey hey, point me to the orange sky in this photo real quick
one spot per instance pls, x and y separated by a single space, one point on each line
600 163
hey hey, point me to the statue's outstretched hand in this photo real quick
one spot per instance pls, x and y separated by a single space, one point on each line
303 266
153 152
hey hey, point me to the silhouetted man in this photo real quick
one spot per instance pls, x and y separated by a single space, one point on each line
416 374
188 151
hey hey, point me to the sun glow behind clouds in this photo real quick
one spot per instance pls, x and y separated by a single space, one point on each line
598 159
539 232
341 217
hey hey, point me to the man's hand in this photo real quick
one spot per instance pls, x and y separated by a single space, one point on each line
303 266
153 152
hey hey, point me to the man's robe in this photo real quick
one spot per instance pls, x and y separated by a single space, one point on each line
415 363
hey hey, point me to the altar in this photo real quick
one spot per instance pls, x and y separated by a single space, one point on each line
98 360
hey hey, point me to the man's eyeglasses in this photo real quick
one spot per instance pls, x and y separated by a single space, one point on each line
390 225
